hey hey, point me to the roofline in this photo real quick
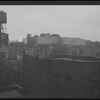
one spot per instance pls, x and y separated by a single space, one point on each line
74 60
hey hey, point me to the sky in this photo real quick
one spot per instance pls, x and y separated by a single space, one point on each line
81 21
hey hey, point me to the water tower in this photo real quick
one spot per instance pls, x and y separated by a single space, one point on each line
3 29
3 21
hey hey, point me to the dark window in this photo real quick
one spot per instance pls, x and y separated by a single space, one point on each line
56 82
95 85
2 54
68 84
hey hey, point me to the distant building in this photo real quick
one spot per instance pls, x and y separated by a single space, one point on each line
35 40
60 45
73 41
15 49
88 43
29 40
44 51
48 39
46 43
41 45
24 40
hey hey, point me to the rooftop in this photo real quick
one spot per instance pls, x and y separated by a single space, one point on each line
12 91
75 58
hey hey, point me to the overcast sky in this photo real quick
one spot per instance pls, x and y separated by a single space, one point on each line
67 20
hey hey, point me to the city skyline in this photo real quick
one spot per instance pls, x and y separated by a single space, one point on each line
67 21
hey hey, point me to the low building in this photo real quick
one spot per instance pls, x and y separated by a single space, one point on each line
62 77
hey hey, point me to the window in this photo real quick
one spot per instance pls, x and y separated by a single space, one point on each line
56 82
95 85
68 84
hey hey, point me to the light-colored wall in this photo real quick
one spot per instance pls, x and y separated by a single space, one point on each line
73 41
47 40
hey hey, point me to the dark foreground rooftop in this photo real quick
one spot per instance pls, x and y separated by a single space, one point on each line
12 91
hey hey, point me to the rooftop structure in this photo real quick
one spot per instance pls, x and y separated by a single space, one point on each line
3 34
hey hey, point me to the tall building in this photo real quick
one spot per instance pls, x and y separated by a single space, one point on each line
29 40
35 40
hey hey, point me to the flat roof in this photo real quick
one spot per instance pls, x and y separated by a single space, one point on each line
11 92
76 60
